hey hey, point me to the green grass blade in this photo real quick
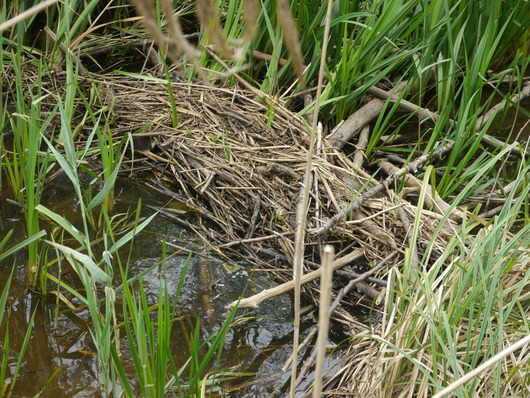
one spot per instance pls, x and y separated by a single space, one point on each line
97 273
22 353
20 245
4 296
107 188
63 223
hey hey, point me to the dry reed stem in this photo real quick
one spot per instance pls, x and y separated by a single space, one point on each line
326 288
336 302
207 14
290 37
26 14
251 9
177 38
303 204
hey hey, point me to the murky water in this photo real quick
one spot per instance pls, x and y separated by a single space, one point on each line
61 358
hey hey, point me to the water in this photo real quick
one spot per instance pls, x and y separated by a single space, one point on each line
61 358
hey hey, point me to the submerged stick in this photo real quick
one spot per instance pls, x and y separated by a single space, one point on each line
481 122
254 301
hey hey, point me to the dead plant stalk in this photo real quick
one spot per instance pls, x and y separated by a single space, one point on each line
304 205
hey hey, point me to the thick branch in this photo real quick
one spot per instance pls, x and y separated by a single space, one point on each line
359 119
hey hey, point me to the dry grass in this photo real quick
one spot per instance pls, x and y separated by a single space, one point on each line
175 44
241 169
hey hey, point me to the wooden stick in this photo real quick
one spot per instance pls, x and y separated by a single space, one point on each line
359 119
254 301
423 113
437 203
481 122
362 144
410 168
408 106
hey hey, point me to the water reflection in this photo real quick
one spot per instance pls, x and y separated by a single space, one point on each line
61 359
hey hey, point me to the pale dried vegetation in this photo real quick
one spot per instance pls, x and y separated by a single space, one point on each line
243 170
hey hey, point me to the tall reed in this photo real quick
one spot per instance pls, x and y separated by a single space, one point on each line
458 317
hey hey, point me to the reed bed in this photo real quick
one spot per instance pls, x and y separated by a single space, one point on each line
448 284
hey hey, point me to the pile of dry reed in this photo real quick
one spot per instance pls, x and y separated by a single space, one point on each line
239 163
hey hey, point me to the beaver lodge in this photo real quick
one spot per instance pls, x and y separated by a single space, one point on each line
236 160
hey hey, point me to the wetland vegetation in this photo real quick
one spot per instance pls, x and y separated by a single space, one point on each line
392 132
